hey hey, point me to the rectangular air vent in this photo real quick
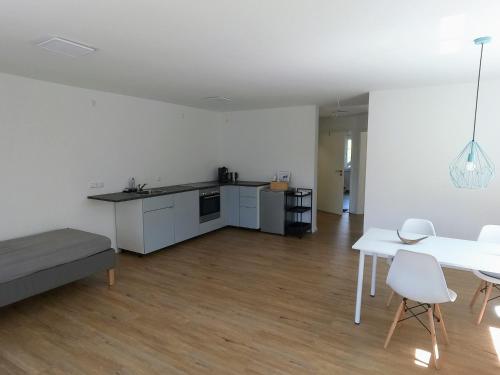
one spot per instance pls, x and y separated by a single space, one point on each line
66 47
218 98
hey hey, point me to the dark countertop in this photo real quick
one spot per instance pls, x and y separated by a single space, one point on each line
166 190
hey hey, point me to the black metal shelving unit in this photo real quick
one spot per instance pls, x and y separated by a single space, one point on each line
297 203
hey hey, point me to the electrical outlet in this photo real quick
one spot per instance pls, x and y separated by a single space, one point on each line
96 185
158 179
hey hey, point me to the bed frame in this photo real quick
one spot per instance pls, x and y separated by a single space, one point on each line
50 278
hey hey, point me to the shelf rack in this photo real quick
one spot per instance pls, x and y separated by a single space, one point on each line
298 206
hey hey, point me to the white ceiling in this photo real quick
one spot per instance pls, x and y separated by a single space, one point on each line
259 53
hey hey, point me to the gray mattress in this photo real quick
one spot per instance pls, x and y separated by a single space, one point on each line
24 256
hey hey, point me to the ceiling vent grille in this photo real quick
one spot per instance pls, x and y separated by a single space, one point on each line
66 47
218 98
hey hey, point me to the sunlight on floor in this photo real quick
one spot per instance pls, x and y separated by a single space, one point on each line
495 337
422 357
497 310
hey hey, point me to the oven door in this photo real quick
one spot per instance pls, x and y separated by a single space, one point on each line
209 207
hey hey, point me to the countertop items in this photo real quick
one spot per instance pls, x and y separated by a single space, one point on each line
166 190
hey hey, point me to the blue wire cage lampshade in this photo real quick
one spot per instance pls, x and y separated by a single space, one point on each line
472 169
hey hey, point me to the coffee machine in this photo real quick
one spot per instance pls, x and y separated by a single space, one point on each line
223 174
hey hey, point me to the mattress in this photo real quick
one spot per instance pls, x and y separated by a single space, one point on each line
26 255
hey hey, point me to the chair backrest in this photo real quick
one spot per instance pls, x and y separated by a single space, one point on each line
418 277
489 233
419 226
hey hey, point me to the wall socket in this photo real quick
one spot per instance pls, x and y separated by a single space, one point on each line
96 185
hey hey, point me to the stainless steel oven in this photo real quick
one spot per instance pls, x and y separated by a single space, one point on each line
209 204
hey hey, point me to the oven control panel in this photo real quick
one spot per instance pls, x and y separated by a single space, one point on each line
208 192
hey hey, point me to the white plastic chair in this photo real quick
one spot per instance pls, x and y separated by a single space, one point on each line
419 277
489 233
417 226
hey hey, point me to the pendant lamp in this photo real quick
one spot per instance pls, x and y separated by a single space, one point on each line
472 168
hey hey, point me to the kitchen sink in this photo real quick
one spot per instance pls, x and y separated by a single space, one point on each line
162 190
151 191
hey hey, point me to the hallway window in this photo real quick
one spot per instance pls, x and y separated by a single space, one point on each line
348 151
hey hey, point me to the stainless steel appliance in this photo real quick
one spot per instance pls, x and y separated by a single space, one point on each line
223 173
209 204
272 211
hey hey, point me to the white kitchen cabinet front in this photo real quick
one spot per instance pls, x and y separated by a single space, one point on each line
158 229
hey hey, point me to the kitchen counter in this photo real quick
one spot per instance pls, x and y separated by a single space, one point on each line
166 190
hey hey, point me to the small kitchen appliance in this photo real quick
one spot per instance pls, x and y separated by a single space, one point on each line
223 174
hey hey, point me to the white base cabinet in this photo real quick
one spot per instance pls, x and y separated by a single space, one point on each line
250 207
150 224
230 204
158 229
187 215
241 206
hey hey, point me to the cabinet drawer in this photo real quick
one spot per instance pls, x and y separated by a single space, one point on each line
248 202
246 191
156 203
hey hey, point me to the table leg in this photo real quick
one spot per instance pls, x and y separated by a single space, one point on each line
117 250
359 292
374 275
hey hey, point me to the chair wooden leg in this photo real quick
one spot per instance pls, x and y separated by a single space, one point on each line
390 298
478 291
435 351
111 276
441 323
402 315
394 323
489 289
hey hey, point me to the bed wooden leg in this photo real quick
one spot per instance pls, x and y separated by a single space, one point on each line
111 276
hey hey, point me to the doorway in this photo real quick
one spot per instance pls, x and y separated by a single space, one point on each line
342 164
346 201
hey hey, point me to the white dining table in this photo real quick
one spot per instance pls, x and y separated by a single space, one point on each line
449 252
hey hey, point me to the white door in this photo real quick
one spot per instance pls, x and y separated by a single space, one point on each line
331 152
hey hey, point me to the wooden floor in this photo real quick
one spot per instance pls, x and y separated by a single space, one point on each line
239 302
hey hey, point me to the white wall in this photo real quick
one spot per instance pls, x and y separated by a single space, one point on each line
360 201
54 142
414 135
353 126
259 143
58 139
